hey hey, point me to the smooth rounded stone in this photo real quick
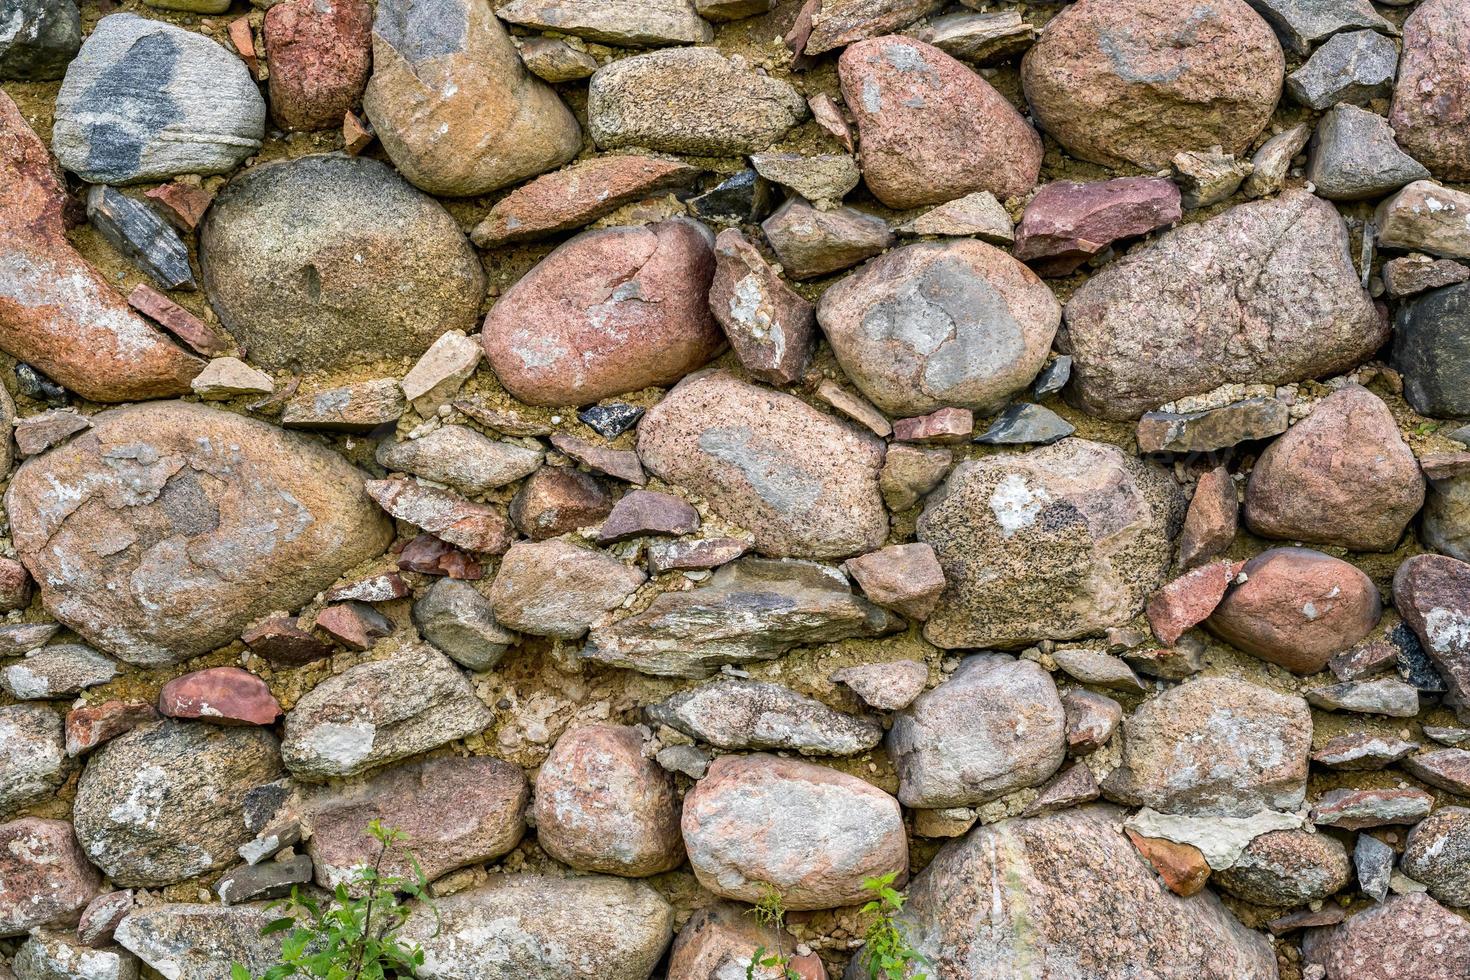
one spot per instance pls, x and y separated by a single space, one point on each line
721 941
146 101
1067 894
1342 476
1067 223
1356 67
1410 275
460 622
454 811
320 55
932 130
803 484
1431 102
40 38
1057 543
46 875
886 686
326 262
994 726
1437 853
1121 82
937 324
1445 522
452 104
1097 668
165 529
771 327
221 695
1406 937
1164 321
461 457
602 806
744 714
609 312
1215 745
33 759
1426 217
761 823
56 672
57 955
379 712
1296 608
689 100
811 242
164 802
1431 349
558 499
1354 157
639 23
556 588
1287 868
532 927
194 942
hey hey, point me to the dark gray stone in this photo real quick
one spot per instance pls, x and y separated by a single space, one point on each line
1431 349
611 421
1026 424
258 882
739 714
1355 67
1216 428
1303 23
460 622
742 199
34 384
38 38
1374 862
1054 377
144 239
1354 157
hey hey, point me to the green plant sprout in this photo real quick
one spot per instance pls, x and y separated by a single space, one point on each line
886 948
770 912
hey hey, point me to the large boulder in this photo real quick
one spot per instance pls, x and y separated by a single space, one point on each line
200 942
951 323
33 760
165 802
994 726
1057 543
166 528
147 101
452 104
540 928
758 823
932 130
1287 868
804 484
1431 101
1407 937
333 261
1264 293
1122 82
44 873
1066 895
1431 349
609 312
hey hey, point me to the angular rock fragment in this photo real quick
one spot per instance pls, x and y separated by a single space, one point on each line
647 512
320 56
1182 867
1272 162
1303 23
611 420
1355 67
886 686
858 409
443 369
280 640
1354 157
56 672
739 714
1213 428
57 955
181 203
1374 862
1091 718
1188 600
1097 668
771 328
1206 177
38 433
1432 594
1356 809
1446 769
1426 217
1383 696
271 879
555 588
904 577
1067 223
90 725
910 473
620 463
811 242
460 622
841 22
554 60
649 23
744 198
824 179
705 553
222 695
978 214
46 875
1026 425
460 457
1445 520
1428 331
358 407
141 236
477 527
230 377
979 39
1415 273
951 426
189 942
723 936
1362 751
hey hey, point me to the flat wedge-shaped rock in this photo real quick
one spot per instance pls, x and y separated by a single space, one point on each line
1066 895
1263 293
739 714
165 529
379 712
530 927
752 609
144 238
197 942
630 23
57 312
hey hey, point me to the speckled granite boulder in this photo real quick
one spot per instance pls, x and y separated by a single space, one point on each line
197 942
33 761
1431 102
1408 937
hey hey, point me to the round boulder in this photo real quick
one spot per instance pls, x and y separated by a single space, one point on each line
1287 868
45 875
608 312
326 262
952 323
1122 82
1438 854
1431 102
601 805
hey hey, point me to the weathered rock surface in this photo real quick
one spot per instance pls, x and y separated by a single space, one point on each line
978 214
743 714
1067 223
602 806
46 875
145 101
1445 520
723 939
1380 696
1215 746
1354 157
1355 67
331 262
646 23
56 672
141 236
33 761
1287 868
57 955
811 242
1119 83
41 38
802 483
886 686
163 802
379 712
221 695
1212 428
1058 543
1301 24
1412 274
1437 853
609 312
1431 102
771 328
1432 594
1359 809
478 527
812 834
320 56
1426 330
194 942
453 105
460 457
555 588
1204 284
1408 937
930 325
460 622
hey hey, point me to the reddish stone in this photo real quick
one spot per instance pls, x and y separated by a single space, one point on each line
930 129
1359 809
176 320
1297 608
1407 937
1364 660
830 118
1328 915
56 311
355 625
671 556
101 916
182 205
1212 519
1092 719
242 36
621 463
1067 223
771 327
90 725
46 875
1182 866
448 516
15 585
1072 786
903 577
1188 600
577 196
1432 594
320 55
281 641
643 512
558 499
1431 102
375 588
356 134
222 695
428 555
946 426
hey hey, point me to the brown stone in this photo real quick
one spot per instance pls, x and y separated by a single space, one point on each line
92 724
176 320
903 577
1446 769
1297 608
679 556
1286 868
1067 223
932 130
242 36
1407 937
222 695
1410 275
1071 787
46 875
951 426
358 407
1182 866
1359 809
839 22
1212 519
910 473
556 61
860 410
1188 600
771 328
830 118
620 463
557 499
355 625
15 585
475 527
1092 719
279 640
181 204
428 555
554 588
356 135
1212 428
811 242
1431 100
725 936
320 56
1432 594
646 512
37 433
